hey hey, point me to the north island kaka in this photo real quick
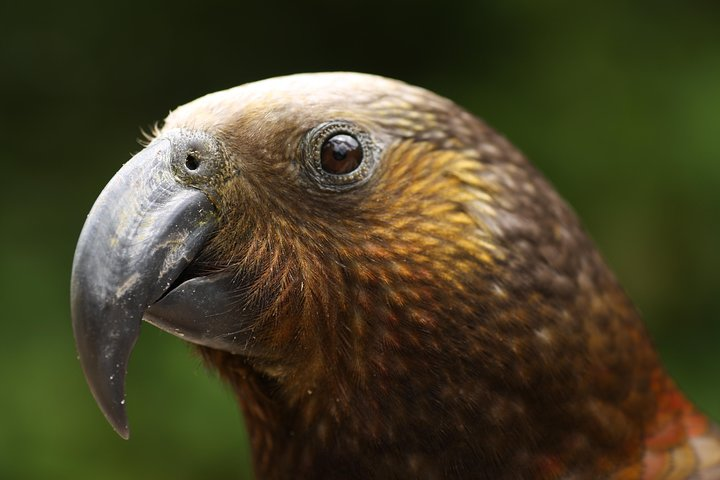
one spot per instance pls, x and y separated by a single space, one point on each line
389 287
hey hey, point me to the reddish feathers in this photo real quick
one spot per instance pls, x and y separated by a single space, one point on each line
680 442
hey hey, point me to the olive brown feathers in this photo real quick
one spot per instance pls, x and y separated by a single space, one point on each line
417 301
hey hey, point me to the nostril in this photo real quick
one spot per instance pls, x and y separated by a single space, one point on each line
191 162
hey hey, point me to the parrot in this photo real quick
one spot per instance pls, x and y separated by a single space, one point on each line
389 287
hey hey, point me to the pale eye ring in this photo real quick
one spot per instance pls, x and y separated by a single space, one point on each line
339 155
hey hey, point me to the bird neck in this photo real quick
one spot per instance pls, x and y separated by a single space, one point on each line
545 372
546 413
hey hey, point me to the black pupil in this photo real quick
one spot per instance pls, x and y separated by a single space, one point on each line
341 154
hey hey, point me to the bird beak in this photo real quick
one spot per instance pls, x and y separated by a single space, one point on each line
144 230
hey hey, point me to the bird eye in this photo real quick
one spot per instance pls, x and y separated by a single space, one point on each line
339 155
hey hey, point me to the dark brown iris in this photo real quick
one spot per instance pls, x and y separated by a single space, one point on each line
341 154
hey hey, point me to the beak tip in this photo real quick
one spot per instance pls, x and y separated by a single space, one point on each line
114 411
105 373
122 429
116 415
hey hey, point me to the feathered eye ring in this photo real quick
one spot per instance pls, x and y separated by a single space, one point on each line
340 155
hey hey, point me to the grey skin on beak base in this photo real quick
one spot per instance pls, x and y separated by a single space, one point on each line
145 228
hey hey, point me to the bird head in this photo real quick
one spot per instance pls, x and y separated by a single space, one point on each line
367 264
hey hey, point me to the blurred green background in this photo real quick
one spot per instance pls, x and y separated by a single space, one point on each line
618 102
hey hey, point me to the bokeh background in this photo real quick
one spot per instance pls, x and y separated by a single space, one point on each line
618 102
